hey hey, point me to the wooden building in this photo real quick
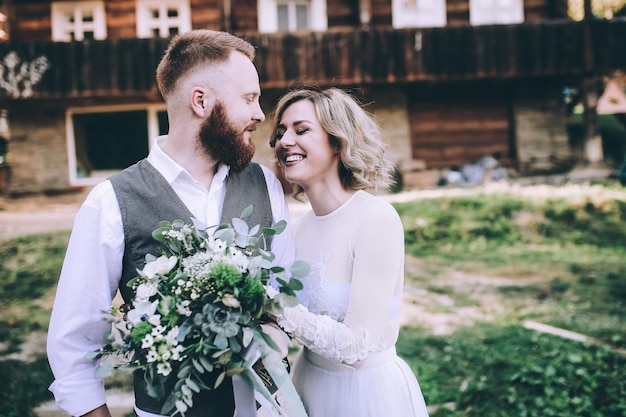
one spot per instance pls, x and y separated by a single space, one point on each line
449 80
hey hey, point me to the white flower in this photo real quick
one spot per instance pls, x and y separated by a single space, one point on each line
164 368
176 352
147 341
144 311
151 356
145 291
161 265
172 336
158 330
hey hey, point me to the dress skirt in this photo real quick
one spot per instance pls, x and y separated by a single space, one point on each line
383 385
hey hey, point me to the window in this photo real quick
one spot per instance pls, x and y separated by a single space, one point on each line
76 21
162 18
105 140
291 15
488 12
418 13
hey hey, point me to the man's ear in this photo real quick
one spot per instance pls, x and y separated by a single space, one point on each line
200 101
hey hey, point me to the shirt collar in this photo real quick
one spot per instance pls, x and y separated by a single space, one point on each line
171 170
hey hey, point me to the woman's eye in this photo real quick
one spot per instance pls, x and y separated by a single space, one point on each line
278 135
301 131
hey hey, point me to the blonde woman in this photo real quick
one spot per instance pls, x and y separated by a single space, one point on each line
349 317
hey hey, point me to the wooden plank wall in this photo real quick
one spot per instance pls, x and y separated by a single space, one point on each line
381 13
206 14
460 123
121 17
30 19
114 66
343 14
244 15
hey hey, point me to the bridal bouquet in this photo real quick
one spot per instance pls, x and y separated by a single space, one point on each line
198 311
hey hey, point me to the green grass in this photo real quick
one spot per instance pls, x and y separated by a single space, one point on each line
555 259
486 262
495 371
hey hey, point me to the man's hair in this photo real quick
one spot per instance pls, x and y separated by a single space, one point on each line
350 129
188 50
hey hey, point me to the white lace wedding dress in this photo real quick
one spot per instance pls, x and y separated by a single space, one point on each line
349 317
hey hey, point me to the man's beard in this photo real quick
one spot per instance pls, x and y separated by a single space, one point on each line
221 141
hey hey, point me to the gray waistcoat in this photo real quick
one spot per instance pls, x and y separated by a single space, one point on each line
145 199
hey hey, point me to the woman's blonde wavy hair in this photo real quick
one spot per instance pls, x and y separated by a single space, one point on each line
350 129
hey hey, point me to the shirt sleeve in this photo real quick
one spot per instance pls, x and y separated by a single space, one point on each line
87 285
282 245
377 276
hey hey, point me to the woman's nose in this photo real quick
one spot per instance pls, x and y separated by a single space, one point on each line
287 139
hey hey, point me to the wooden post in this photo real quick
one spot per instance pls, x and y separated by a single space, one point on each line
593 140
226 15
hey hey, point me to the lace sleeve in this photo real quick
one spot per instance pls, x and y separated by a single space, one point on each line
323 335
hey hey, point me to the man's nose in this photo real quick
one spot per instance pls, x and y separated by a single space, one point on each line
259 116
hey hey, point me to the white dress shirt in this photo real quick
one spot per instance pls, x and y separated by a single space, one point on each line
93 266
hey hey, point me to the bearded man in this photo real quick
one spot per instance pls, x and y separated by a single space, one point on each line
201 169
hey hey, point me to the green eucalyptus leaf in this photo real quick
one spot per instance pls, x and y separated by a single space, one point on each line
268 231
205 363
227 235
192 385
280 226
93 355
247 212
241 226
105 370
295 284
183 371
300 269
219 379
169 405
198 366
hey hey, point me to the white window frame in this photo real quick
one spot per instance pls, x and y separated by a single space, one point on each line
62 29
99 176
146 23
418 13
493 12
267 11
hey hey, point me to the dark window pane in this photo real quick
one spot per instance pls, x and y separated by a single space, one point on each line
172 12
173 31
163 123
109 141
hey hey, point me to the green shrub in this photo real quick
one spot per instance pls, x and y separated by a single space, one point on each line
24 386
